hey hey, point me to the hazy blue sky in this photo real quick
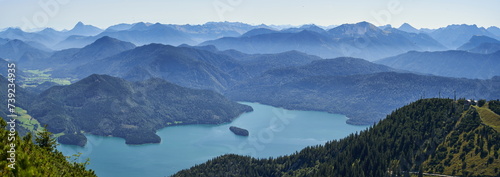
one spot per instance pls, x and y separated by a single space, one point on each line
103 13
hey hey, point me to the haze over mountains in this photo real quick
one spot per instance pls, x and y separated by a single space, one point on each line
283 79
239 67
408 28
130 80
481 44
195 67
70 58
448 63
270 66
454 36
17 50
361 40
138 33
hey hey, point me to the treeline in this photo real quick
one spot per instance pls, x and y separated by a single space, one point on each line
36 156
396 146
495 106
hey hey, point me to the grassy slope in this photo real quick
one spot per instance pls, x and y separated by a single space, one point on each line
25 120
489 117
474 152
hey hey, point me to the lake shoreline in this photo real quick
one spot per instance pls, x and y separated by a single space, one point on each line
274 132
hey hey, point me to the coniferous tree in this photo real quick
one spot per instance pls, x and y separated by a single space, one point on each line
45 139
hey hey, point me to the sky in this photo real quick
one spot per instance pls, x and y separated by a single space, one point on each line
64 14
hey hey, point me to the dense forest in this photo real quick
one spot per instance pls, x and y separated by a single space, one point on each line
110 106
439 136
364 98
36 156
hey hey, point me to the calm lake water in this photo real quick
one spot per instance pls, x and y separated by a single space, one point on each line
273 132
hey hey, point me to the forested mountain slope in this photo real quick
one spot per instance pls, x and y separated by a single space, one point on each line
35 158
413 139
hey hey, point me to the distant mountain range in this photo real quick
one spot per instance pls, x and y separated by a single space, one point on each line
481 44
18 51
50 37
486 48
138 33
448 63
105 105
408 28
15 33
83 30
141 33
476 40
184 66
214 30
454 36
67 60
362 40
494 30
194 67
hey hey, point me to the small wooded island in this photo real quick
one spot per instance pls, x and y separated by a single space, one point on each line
239 131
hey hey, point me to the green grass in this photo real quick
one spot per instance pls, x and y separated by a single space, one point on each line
58 134
37 77
475 164
27 121
30 123
41 73
489 117
175 123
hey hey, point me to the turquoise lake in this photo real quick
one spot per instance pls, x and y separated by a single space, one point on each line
273 132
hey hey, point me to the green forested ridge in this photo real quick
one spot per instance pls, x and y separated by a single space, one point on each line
364 98
430 135
105 105
22 97
39 158
183 66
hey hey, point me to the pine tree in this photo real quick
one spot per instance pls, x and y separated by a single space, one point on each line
45 139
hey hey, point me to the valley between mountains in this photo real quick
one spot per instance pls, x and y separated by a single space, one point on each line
131 80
